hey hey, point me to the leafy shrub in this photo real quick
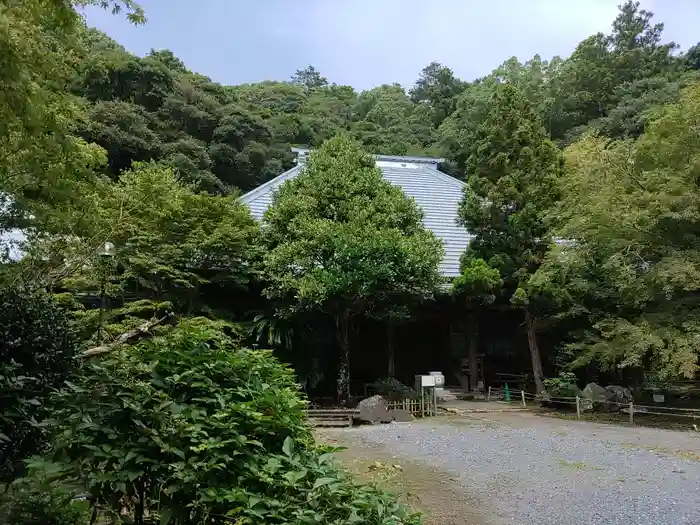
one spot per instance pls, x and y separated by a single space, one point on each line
189 427
39 501
37 354
393 389
304 486
562 386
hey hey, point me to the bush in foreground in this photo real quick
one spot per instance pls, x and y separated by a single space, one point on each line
37 354
191 429
38 500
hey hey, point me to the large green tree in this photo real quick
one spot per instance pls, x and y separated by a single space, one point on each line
511 170
41 160
476 286
630 210
343 241
389 122
437 87
176 249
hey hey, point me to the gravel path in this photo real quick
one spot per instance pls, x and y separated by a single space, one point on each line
531 470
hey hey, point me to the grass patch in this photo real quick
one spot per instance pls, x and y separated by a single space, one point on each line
433 492
676 453
457 421
577 465
621 419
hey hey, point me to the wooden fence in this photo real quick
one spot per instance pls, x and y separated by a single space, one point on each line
344 417
416 407
520 397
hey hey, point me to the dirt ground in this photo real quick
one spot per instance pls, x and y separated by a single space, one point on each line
429 490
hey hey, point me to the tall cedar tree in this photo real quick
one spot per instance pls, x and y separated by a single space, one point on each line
343 241
512 167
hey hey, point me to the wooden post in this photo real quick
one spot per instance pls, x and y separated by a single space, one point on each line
631 413
390 349
522 396
473 336
578 407
434 401
488 397
422 401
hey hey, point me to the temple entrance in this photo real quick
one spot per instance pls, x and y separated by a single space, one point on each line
490 342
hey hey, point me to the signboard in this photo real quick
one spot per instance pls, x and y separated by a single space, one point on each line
427 380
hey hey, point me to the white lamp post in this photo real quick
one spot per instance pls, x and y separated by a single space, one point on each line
106 252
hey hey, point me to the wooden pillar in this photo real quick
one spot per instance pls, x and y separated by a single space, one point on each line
473 338
390 350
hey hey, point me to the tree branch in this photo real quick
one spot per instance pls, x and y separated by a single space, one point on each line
136 333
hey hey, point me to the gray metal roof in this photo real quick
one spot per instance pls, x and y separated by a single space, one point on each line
435 192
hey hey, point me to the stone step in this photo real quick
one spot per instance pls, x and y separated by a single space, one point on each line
332 417
331 422
332 412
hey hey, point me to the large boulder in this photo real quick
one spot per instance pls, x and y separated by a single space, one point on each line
594 392
618 397
596 397
374 410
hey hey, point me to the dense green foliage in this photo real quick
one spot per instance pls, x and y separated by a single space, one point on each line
218 137
192 428
343 241
40 500
478 282
176 250
37 354
631 207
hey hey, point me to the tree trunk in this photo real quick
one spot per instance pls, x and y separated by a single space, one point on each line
342 324
136 333
390 349
473 335
138 515
534 351
93 516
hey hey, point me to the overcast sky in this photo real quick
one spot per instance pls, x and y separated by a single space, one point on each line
365 43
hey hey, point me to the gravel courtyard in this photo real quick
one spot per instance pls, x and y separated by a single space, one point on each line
522 469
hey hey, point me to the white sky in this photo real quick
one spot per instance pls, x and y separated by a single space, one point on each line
365 43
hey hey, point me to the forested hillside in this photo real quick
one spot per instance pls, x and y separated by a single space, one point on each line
154 107
99 144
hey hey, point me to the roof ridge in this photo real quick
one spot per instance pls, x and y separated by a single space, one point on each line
417 159
254 193
408 158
